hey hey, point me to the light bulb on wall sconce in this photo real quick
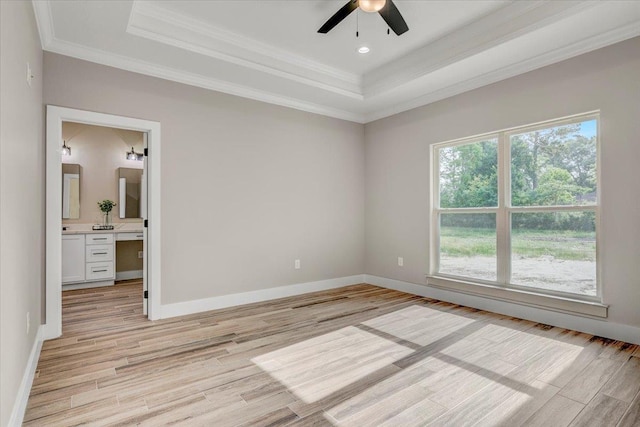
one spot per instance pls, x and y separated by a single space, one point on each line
66 151
371 5
132 155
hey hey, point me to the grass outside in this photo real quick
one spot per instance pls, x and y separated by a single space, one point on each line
562 245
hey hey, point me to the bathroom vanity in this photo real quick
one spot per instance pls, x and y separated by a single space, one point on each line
88 256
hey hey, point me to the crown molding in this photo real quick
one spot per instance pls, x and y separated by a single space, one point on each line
449 49
505 24
159 24
584 46
142 67
44 21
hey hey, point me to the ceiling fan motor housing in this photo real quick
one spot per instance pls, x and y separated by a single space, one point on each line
387 10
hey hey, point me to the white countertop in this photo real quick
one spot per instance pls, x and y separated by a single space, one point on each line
123 227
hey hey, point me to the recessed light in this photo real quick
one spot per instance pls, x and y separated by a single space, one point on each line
363 49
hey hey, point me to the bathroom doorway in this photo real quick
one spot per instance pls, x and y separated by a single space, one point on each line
85 254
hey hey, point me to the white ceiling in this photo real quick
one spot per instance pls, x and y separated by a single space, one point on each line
271 51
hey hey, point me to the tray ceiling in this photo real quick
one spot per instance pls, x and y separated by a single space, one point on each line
270 50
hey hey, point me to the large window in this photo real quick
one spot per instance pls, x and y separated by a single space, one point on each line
518 208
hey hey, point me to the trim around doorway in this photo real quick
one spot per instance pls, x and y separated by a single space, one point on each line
55 116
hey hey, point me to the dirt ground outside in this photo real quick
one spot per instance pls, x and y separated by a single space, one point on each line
546 272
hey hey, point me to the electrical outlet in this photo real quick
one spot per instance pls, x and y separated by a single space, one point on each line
400 261
29 74
297 264
28 322
140 254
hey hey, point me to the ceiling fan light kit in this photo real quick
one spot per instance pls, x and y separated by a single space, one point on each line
371 5
386 8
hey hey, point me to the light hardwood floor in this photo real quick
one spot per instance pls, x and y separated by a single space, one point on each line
356 356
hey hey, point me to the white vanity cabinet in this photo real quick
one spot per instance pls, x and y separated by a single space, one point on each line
73 264
99 257
88 259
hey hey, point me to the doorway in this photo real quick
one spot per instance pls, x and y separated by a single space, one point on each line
150 212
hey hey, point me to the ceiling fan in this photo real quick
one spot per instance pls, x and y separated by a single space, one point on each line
385 8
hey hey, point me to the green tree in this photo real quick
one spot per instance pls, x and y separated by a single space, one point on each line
557 187
533 154
579 159
554 166
468 175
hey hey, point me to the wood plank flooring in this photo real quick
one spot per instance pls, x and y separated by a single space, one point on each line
355 356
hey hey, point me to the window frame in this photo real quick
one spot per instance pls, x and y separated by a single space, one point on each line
503 212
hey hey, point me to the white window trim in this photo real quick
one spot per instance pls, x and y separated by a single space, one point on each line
500 289
525 297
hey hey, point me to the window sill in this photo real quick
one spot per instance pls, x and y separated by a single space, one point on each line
555 303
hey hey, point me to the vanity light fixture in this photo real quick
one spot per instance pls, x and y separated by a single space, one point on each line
66 151
132 155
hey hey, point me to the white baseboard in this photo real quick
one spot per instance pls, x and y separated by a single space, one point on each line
22 396
224 301
87 285
603 328
588 325
50 332
128 275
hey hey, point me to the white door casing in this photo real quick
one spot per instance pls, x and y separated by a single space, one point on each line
143 214
152 254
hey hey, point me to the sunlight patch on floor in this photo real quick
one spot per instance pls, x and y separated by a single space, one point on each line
394 401
419 325
452 368
316 368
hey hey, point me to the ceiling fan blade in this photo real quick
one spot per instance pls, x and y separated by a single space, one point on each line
339 16
393 18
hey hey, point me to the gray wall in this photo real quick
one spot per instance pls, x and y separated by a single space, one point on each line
398 149
247 187
22 195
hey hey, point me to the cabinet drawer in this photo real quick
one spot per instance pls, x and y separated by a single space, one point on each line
95 253
99 239
99 270
129 236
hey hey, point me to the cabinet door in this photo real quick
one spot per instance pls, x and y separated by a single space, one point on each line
73 267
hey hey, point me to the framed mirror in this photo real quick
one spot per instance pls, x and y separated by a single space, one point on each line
70 191
130 192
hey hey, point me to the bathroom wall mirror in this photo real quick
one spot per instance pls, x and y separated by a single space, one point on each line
130 190
70 191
